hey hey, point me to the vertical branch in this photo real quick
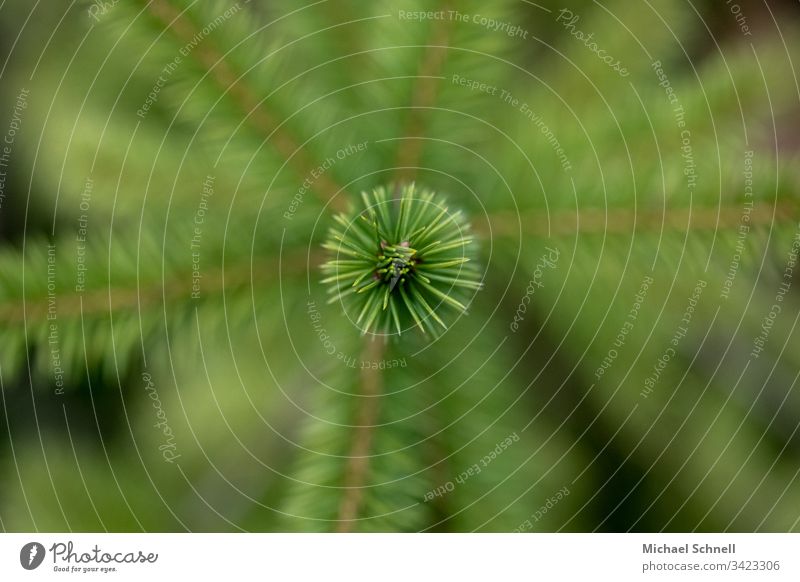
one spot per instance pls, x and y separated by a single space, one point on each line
357 469
423 97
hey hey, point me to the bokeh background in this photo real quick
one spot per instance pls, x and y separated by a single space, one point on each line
168 361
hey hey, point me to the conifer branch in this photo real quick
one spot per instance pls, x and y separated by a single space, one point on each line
254 109
622 220
215 280
423 97
357 469
176 289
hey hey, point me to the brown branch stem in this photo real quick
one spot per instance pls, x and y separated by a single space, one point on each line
178 288
252 106
503 224
621 220
357 468
423 97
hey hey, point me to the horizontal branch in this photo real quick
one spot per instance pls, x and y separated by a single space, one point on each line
178 286
622 220
176 289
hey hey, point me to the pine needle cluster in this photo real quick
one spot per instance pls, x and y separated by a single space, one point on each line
401 262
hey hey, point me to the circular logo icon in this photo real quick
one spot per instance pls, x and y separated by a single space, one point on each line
31 555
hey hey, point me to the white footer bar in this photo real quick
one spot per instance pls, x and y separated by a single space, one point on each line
401 557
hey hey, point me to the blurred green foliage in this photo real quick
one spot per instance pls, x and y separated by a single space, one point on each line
197 394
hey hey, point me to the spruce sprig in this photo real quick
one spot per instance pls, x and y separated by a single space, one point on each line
401 262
